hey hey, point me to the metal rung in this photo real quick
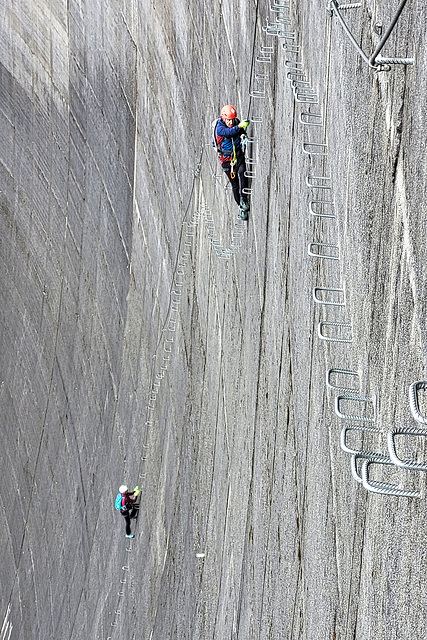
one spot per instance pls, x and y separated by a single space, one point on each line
345 326
306 99
287 35
406 61
420 385
320 148
293 64
319 212
364 455
384 487
343 372
371 455
247 191
249 174
323 256
278 8
402 462
272 30
285 23
257 94
291 48
268 24
305 117
274 27
333 303
301 86
353 5
316 182
293 76
256 119
353 398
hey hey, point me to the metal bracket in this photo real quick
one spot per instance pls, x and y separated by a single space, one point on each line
319 148
321 245
317 208
339 302
345 326
352 398
401 462
312 119
386 488
371 455
344 372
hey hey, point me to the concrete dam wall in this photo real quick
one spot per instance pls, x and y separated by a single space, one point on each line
149 336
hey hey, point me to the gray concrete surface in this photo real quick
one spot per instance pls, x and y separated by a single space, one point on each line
131 351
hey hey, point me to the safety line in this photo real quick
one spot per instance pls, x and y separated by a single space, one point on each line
170 323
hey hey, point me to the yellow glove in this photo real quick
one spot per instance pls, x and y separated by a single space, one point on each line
244 124
136 491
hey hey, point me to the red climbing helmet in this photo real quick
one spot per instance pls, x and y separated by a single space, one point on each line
228 112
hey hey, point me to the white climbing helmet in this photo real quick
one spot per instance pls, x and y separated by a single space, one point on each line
123 488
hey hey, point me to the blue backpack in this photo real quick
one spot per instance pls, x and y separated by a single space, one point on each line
118 503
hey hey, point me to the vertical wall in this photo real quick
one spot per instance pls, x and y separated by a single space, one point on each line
68 104
250 524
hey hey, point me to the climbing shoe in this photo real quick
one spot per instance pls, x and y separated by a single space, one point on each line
244 205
